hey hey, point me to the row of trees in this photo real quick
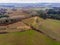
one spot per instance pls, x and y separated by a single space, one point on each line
49 13
3 13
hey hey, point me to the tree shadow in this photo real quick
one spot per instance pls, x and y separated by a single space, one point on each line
3 32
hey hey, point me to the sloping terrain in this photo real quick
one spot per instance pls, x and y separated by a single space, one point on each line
45 27
30 31
29 37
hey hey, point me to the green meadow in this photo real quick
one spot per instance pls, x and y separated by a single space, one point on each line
29 37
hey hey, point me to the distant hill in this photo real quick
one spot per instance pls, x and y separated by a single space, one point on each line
29 5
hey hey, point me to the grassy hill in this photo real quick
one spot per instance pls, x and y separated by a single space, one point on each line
32 37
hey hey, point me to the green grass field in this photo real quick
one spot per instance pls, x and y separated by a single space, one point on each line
29 37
